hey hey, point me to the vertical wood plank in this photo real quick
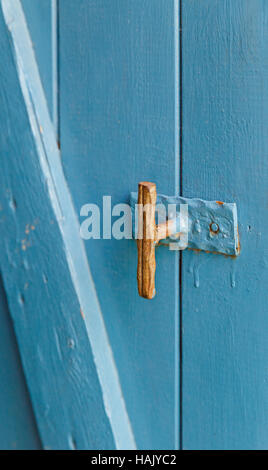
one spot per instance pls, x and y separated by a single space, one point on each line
119 125
225 157
42 21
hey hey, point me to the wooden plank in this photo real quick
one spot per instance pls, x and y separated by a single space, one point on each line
120 125
225 156
65 350
17 424
41 18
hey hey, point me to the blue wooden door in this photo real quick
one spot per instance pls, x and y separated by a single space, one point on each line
107 93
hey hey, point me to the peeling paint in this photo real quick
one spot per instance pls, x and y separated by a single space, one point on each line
203 218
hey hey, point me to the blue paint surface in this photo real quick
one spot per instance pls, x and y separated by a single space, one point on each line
39 16
119 126
17 423
225 156
119 114
70 372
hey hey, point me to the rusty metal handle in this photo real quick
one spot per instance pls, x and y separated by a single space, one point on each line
149 235
146 239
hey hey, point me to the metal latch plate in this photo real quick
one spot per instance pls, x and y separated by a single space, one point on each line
212 225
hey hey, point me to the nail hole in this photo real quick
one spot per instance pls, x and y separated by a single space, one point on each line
71 343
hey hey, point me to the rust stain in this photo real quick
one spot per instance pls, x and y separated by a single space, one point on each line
82 314
197 251
25 244
161 244
239 245
28 228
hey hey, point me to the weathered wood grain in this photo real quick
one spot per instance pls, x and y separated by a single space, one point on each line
225 156
17 423
41 18
119 119
63 343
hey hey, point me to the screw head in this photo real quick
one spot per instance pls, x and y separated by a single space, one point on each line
214 228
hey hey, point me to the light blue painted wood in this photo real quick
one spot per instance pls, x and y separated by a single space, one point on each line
41 18
65 351
17 424
119 125
225 156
